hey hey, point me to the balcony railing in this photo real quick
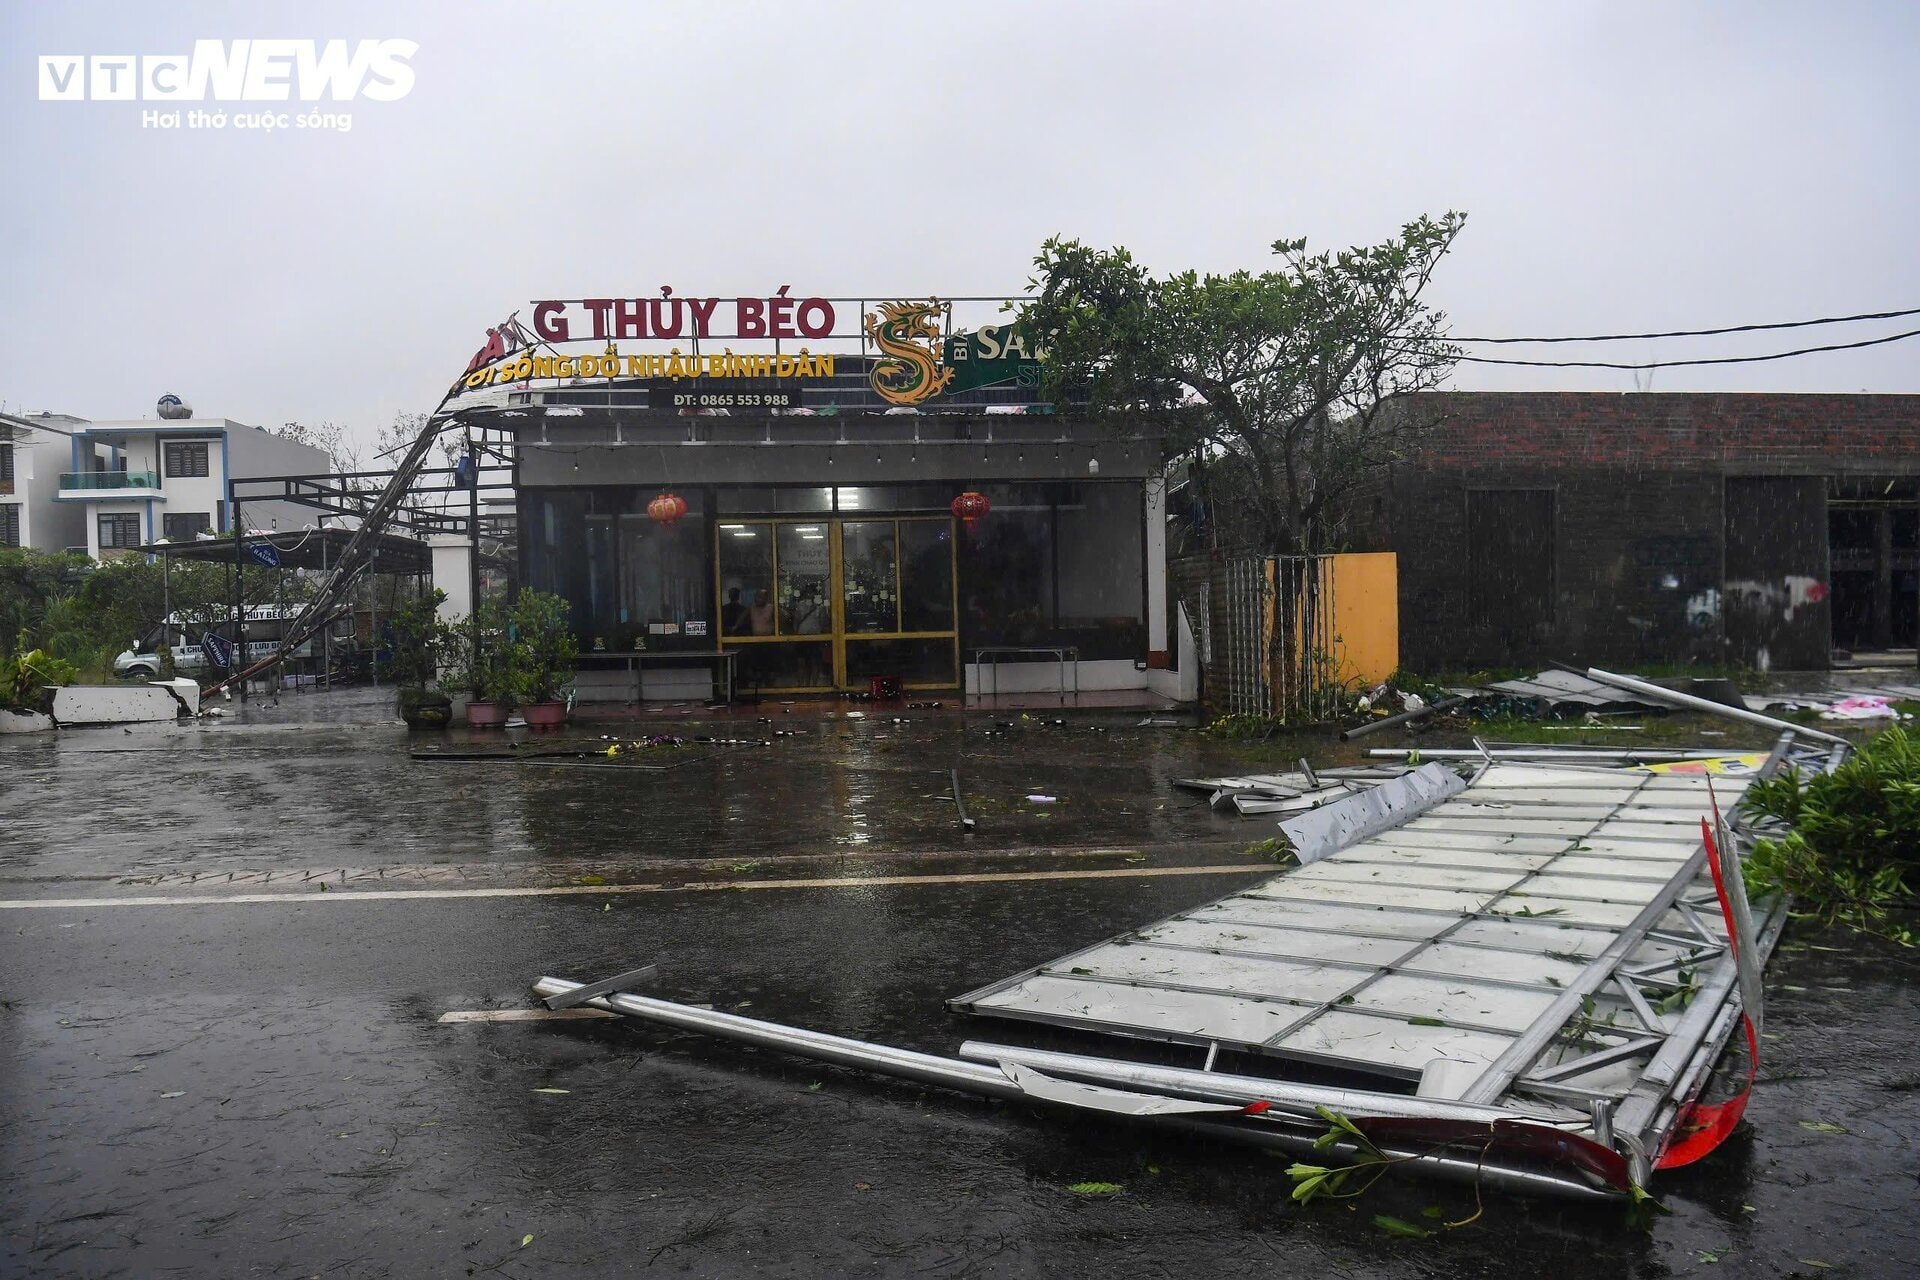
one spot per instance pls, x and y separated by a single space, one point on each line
108 480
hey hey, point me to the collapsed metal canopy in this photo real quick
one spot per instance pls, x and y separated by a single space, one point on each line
1548 941
302 549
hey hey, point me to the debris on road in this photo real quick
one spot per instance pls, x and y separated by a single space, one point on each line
1525 979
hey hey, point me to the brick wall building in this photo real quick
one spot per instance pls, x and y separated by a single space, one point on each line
1761 530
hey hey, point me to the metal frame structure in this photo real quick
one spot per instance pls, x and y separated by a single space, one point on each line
1547 942
1564 989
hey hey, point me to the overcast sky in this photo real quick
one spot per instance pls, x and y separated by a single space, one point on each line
1625 167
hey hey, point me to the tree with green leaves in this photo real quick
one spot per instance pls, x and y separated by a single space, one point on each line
1284 387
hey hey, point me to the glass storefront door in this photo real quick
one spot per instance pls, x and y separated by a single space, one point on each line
822 604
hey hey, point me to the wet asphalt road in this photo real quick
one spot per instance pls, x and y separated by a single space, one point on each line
215 1088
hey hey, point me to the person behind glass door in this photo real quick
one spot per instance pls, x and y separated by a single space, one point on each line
760 614
733 614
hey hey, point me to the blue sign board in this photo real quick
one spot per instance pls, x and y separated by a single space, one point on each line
219 650
266 553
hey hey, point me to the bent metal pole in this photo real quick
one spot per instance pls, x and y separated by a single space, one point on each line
1275 1130
1687 700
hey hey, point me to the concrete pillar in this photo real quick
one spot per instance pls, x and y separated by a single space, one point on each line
1156 518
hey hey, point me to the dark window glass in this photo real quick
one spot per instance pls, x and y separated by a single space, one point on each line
10 524
1099 567
666 587
1006 574
1056 565
119 531
6 462
927 662
803 499
768 501
926 575
184 526
787 664
186 458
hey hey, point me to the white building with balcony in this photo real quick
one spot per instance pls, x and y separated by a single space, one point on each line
145 480
34 450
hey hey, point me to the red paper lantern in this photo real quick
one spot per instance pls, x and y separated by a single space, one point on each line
667 508
970 506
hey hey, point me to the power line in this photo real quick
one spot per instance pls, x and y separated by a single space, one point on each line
1706 333
1671 364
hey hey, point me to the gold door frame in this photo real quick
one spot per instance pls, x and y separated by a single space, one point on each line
837 636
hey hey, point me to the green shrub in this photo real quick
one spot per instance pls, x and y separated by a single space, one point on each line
1855 837
28 672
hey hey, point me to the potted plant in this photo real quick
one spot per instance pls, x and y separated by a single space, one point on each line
545 653
481 660
420 643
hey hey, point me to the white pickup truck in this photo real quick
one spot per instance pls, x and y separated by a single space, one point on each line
181 636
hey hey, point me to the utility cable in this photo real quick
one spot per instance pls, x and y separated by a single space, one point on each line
1706 333
1671 364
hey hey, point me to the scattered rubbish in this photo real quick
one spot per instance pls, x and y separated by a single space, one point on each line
1037 798
1411 714
648 743
1863 708
959 805
1096 1188
1263 793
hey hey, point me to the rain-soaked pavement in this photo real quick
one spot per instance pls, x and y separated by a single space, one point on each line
213 1066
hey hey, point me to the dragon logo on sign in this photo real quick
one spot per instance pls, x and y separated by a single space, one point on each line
909 335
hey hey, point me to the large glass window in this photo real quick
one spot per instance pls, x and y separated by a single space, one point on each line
631 581
1006 583
870 584
746 579
806 606
1098 570
665 582
926 575
1056 564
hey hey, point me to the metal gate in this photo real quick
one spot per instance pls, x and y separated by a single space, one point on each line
1263 627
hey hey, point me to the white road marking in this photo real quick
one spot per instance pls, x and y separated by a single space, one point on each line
611 890
523 1015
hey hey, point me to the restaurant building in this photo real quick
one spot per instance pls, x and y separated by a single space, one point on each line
869 492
